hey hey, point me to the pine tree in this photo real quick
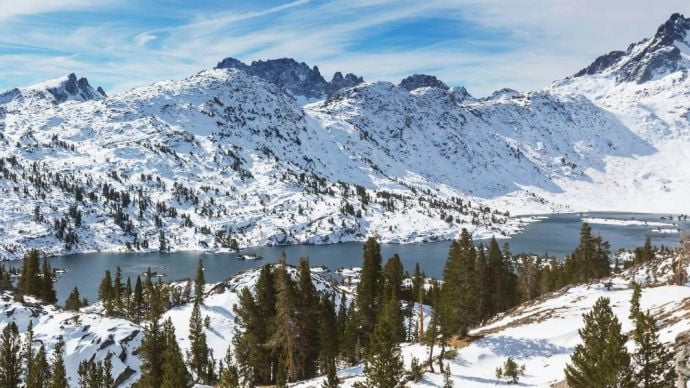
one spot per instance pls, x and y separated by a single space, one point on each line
174 371
138 302
30 282
459 286
251 358
151 356
47 292
434 322
383 365
328 335
107 380
484 284
73 302
10 356
653 362
105 292
118 292
229 375
369 289
285 336
308 318
38 375
447 381
199 283
635 302
199 351
601 360
28 349
393 277
58 373
497 281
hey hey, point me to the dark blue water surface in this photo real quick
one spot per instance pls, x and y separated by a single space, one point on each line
556 234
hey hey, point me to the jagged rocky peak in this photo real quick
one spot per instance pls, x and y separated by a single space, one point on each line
297 78
71 88
68 88
416 81
460 94
649 58
339 82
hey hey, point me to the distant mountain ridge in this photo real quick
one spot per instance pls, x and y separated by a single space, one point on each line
294 77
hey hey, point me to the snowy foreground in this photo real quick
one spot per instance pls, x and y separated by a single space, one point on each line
540 334
543 333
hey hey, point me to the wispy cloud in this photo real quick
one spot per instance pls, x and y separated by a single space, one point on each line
481 44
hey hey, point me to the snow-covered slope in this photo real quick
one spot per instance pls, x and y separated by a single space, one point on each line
229 157
542 334
207 163
646 89
87 336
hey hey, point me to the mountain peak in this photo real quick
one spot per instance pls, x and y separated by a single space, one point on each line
416 81
648 59
297 78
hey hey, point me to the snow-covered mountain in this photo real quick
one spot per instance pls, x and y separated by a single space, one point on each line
217 160
271 153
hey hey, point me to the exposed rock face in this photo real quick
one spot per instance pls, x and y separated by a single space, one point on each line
296 78
339 82
75 88
648 58
57 91
416 81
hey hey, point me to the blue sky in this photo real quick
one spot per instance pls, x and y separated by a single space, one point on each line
483 45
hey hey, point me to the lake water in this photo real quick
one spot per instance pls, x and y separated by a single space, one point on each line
557 234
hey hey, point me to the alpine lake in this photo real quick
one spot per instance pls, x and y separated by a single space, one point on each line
555 234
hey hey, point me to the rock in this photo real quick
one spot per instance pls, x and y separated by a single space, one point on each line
416 81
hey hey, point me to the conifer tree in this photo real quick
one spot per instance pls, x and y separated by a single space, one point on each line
383 365
199 283
251 358
308 318
459 286
47 288
229 375
286 331
118 291
328 335
393 277
369 289
28 349
151 355
484 282
38 375
10 356
138 301
30 282
350 340
73 302
108 371
601 360
654 366
198 355
58 373
497 287
433 328
266 360
105 292
174 370
635 302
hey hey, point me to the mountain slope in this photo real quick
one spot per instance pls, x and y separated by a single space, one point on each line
212 162
234 156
